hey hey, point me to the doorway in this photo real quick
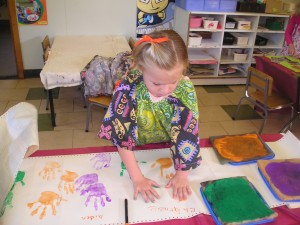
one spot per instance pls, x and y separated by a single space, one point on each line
11 62
8 67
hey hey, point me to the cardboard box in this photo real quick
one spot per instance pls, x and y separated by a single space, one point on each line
279 6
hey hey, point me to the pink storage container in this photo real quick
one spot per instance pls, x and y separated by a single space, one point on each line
195 22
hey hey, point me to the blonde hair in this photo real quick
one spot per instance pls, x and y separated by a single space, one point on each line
166 55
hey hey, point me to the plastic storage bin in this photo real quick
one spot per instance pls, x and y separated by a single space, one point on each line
212 5
241 39
229 39
230 23
195 22
250 7
228 5
194 40
240 57
210 24
261 41
191 5
243 24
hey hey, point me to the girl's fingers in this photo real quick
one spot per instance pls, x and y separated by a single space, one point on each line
180 193
188 190
150 195
144 195
154 193
175 194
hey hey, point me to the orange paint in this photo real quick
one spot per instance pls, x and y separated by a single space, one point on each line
240 148
47 199
164 163
67 181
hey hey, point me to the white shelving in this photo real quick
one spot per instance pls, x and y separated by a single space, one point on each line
213 47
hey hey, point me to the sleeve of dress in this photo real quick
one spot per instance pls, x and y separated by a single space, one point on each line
185 140
289 30
119 124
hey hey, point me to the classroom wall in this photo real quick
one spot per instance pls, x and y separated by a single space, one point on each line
76 17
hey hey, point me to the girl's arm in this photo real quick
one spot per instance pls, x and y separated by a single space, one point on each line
289 31
140 183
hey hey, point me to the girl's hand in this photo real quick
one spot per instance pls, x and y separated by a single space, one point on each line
145 187
180 185
291 49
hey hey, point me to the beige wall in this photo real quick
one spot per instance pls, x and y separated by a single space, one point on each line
75 17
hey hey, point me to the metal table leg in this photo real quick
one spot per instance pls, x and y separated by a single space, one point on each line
51 107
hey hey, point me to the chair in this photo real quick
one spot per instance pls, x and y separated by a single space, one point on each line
101 101
262 96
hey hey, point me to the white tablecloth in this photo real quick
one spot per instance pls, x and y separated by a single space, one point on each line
70 54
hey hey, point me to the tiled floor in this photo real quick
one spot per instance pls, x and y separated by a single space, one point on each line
70 114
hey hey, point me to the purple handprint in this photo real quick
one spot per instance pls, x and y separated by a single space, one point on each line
101 160
97 191
86 180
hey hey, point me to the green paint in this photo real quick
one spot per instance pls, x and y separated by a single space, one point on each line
9 197
123 167
234 200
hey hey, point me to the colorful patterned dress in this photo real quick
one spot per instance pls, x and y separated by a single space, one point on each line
292 36
134 119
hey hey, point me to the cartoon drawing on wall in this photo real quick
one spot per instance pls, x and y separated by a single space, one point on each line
47 199
154 15
49 171
32 12
102 160
10 195
164 164
88 184
67 182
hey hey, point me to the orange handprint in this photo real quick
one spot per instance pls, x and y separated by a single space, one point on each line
67 182
49 170
47 199
164 163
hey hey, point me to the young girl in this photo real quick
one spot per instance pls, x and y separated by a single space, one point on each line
156 103
292 35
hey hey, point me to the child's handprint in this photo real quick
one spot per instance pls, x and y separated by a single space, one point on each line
97 191
49 170
164 163
47 199
86 179
67 182
101 160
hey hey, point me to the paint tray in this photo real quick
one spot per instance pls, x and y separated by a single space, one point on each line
222 160
215 217
271 187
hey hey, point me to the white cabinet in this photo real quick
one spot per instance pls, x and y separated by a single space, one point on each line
210 59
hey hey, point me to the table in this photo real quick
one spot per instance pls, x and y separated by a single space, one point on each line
285 81
70 54
286 216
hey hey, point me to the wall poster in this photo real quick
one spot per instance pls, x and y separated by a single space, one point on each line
32 12
154 15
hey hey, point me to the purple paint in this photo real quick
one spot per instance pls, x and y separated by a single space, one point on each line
285 176
96 191
102 160
85 180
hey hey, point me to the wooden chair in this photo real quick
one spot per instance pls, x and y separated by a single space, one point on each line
101 101
46 54
259 92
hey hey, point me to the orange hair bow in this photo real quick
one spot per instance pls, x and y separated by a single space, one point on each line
147 38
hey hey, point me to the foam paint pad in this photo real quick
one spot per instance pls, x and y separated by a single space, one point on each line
235 201
282 177
241 148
